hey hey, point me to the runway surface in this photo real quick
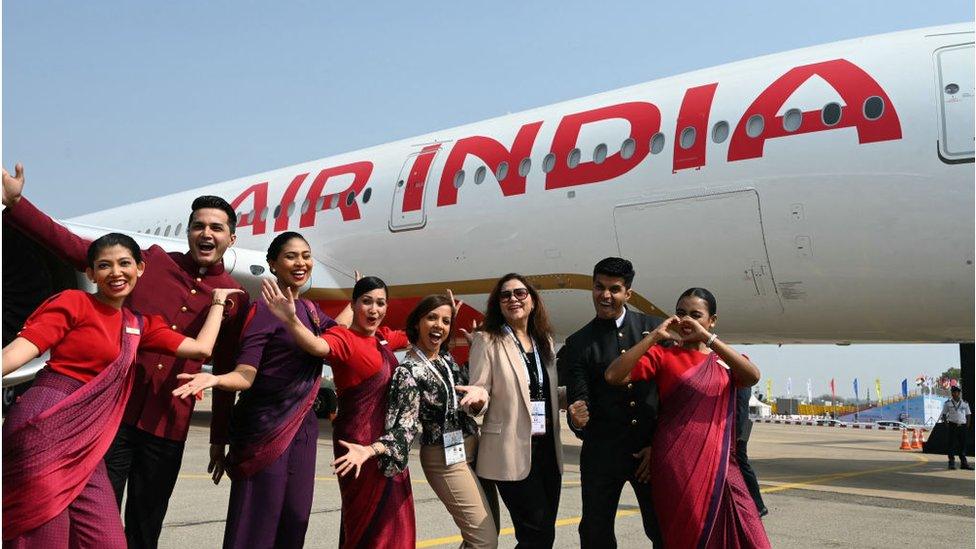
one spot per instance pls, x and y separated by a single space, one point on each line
825 487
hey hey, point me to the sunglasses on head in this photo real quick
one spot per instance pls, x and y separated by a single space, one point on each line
518 293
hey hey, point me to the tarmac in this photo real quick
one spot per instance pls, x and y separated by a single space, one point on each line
824 487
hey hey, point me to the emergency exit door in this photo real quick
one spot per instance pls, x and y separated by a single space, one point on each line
956 80
408 210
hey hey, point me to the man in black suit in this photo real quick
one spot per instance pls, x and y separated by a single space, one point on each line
743 428
617 422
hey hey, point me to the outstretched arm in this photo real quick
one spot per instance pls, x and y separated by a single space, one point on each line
200 347
282 305
24 216
618 373
240 379
18 352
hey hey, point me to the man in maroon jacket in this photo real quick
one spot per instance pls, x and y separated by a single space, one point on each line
148 450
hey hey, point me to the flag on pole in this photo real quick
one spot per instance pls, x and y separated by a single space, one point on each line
809 391
857 394
904 387
877 389
789 387
833 390
769 390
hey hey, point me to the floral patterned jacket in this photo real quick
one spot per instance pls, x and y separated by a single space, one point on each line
417 402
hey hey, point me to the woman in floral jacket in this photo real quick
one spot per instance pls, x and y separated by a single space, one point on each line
424 400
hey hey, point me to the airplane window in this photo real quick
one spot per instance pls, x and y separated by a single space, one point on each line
524 166
277 212
502 171
627 148
479 175
574 158
369 193
148 231
549 163
321 204
688 136
657 143
179 226
792 120
264 214
830 114
350 198
334 202
458 179
291 209
600 153
720 132
755 125
166 232
873 107
156 232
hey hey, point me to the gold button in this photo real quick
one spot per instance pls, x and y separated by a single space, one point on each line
622 351
620 334
193 291
199 279
183 308
173 326
633 422
630 385
159 366
632 404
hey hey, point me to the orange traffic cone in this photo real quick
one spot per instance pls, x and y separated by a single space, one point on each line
905 445
916 440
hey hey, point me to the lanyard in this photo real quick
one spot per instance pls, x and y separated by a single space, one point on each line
956 405
525 358
452 401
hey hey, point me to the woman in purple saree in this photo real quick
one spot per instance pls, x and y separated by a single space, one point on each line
272 429
698 489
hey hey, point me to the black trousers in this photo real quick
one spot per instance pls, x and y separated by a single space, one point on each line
957 442
748 474
150 466
533 502
601 496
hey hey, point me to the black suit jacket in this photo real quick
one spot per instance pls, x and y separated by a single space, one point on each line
743 425
622 418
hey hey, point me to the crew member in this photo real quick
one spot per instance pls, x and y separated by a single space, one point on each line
957 416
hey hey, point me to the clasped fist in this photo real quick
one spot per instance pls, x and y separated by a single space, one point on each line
579 414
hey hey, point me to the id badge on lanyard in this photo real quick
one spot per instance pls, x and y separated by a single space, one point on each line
454 447
538 418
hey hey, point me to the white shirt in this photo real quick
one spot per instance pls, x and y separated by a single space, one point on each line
620 319
956 412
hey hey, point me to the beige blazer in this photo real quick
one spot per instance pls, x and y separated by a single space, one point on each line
505 448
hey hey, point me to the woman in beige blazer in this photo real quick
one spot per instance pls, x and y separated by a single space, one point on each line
512 358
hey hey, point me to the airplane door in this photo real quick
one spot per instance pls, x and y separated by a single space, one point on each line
956 79
408 211
714 241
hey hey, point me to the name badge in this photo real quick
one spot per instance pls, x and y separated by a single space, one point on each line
538 417
454 447
132 331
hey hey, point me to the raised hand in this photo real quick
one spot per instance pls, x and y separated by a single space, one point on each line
353 459
469 335
454 303
667 330
282 305
221 294
13 185
474 398
693 331
579 414
195 384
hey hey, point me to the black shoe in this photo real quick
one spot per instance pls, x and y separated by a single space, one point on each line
966 466
763 512
952 466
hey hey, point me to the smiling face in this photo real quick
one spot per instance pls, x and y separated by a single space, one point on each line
515 301
115 273
433 329
293 266
368 311
209 236
610 294
696 309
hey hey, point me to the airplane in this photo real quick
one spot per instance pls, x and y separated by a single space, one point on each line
825 195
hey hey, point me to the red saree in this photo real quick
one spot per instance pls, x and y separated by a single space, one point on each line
377 511
49 457
701 500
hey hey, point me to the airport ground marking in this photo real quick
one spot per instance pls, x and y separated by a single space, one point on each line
849 474
454 540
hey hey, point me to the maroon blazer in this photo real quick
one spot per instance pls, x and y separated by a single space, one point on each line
177 289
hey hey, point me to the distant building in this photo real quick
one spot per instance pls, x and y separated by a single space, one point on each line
787 406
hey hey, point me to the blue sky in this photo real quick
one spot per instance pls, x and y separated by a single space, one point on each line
112 102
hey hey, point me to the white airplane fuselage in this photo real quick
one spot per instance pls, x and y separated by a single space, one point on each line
850 220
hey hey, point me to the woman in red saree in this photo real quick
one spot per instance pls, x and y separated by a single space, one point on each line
377 511
698 489
56 491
